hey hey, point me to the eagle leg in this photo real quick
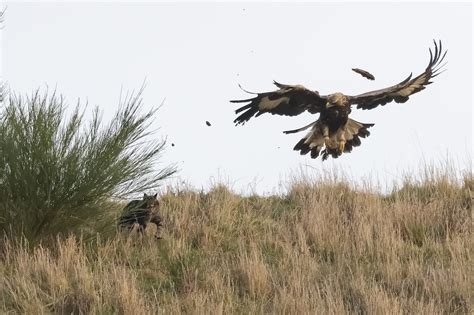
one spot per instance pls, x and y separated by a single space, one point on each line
328 142
331 144
342 145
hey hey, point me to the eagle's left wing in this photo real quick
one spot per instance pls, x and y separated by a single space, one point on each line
289 100
400 92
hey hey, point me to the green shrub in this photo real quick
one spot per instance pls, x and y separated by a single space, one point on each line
58 172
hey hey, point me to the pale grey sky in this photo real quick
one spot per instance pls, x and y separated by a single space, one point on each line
194 56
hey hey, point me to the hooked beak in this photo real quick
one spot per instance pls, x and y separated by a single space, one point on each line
328 104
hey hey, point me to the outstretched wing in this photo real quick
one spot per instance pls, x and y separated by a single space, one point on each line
365 74
289 100
401 92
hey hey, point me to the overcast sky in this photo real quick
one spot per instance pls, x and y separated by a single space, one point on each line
193 56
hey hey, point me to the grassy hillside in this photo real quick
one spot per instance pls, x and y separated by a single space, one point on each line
321 248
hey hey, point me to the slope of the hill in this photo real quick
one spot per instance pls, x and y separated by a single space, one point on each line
323 248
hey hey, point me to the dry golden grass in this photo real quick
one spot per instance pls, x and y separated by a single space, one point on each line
322 248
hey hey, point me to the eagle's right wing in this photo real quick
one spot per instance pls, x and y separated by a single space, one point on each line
401 91
289 100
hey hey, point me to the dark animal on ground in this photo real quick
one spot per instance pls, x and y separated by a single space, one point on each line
139 213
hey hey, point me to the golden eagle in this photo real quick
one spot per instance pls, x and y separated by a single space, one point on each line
334 132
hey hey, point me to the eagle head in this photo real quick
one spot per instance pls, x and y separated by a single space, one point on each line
337 99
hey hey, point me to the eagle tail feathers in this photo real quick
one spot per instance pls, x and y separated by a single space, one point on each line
314 141
302 146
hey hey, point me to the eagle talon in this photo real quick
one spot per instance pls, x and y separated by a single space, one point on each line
342 145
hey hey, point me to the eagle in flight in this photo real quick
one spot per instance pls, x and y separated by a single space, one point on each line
334 132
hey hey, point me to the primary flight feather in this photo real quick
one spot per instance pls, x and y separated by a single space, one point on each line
334 132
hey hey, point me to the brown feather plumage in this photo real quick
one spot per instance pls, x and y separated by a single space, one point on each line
401 91
334 132
364 73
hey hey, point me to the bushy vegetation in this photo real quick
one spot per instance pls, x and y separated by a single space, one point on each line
323 247
58 172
